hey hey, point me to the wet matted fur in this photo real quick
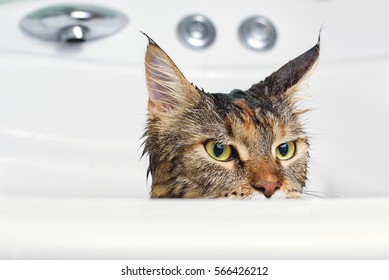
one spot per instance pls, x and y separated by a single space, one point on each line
186 125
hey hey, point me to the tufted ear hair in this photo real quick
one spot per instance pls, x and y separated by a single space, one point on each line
289 75
167 87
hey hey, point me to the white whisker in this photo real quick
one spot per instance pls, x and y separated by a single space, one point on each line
311 192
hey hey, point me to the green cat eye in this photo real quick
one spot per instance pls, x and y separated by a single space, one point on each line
218 151
286 151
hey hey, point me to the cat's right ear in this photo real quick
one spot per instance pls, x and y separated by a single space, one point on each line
287 78
168 89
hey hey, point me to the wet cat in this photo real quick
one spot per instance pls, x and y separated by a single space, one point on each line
245 144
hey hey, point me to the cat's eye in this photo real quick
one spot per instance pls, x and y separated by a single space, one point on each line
219 151
286 151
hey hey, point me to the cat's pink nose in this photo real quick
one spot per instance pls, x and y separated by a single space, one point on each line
268 188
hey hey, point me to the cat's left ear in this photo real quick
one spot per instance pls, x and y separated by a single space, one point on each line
168 89
288 76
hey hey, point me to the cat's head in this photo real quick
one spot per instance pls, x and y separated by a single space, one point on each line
244 144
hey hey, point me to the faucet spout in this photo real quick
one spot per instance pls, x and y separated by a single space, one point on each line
73 34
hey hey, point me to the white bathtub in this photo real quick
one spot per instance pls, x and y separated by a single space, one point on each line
73 186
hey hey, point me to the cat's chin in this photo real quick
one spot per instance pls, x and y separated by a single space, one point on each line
278 195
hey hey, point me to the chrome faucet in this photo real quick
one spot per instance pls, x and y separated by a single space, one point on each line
73 23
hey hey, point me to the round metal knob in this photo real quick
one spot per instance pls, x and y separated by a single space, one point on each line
196 32
257 33
72 23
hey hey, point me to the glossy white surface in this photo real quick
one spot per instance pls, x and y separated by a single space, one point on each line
72 184
57 228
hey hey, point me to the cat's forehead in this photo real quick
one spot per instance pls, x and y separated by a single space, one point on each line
239 102
254 119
